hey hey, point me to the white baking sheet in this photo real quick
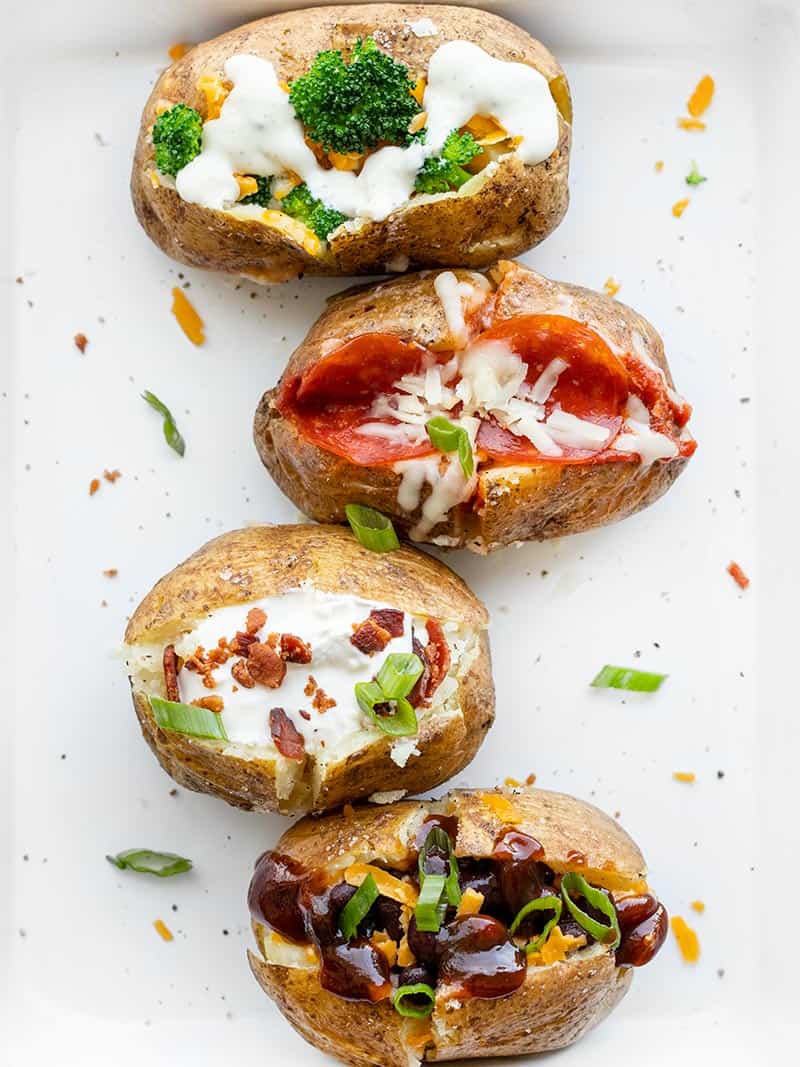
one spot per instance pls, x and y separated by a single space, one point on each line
84 979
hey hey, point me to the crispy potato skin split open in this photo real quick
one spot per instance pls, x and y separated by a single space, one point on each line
515 208
519 503
245 565
556 1005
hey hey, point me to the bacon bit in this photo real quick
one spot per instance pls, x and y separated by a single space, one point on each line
163 930
112 572
242 674
684 776
389 619
310 686
437 653
659 165
94 485
305 714
738 575
256 618
215 704
111 476
679 207
691 124
348 811
611 286
288 739
698 906
187 318
322 702
370 638
530 779
81 341
265 665
170 664
471 902
700 100
240 645
221 654
178 51
687 939
294 649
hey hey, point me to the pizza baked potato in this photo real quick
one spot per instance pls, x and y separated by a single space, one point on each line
476 409
490 923
355 139
287 668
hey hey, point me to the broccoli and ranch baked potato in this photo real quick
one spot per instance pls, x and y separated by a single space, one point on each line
476 409
489 923
289 668
355 140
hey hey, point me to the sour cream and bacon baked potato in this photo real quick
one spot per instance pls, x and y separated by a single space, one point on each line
476 410
486 924
287 668
355 140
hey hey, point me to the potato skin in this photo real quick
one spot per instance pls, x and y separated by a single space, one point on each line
515 208
555 1006
245 565
519 503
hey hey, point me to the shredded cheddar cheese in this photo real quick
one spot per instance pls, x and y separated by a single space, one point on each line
294 229
419 90
698 906
188 319
405 957
556 948
501 807
216 93
701 98
247 185
659 165
384 944
512 783
163 930
687 939
684 776
486 130
611 286
178 51
388 885
153 177
471 902
560 94
679 207
691 124
347 160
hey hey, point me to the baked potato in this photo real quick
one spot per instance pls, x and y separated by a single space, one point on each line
288 668
355 139
485 924
476 409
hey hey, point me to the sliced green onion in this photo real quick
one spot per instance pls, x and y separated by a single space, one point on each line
171 433
609 935
627 678
414 1011
547 903
439 838
357 906
144 860
399 674
402 722
694 177
448 437
431 903
372 529
188 719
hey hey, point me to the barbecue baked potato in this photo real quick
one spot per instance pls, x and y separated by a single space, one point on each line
245 663
499 192
560 396
490 991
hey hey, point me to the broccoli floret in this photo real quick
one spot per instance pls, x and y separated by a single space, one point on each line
349 107
177 136
263 194
300 204
444 172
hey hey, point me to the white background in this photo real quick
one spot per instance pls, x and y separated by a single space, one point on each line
88 980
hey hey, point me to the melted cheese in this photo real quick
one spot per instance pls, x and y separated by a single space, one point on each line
388 885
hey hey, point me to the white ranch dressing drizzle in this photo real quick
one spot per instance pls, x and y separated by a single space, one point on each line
257 132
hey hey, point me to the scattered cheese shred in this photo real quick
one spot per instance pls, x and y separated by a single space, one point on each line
388 885
530 779
611 286
215 92
247 185
405 957
384 944
555 948
471 902
347 160
188 319
94 485
178 50
687 939
419 90
512 783
738 575
659 165
691 124
679 207
163 930
501 807
698 906
701 98
684 776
